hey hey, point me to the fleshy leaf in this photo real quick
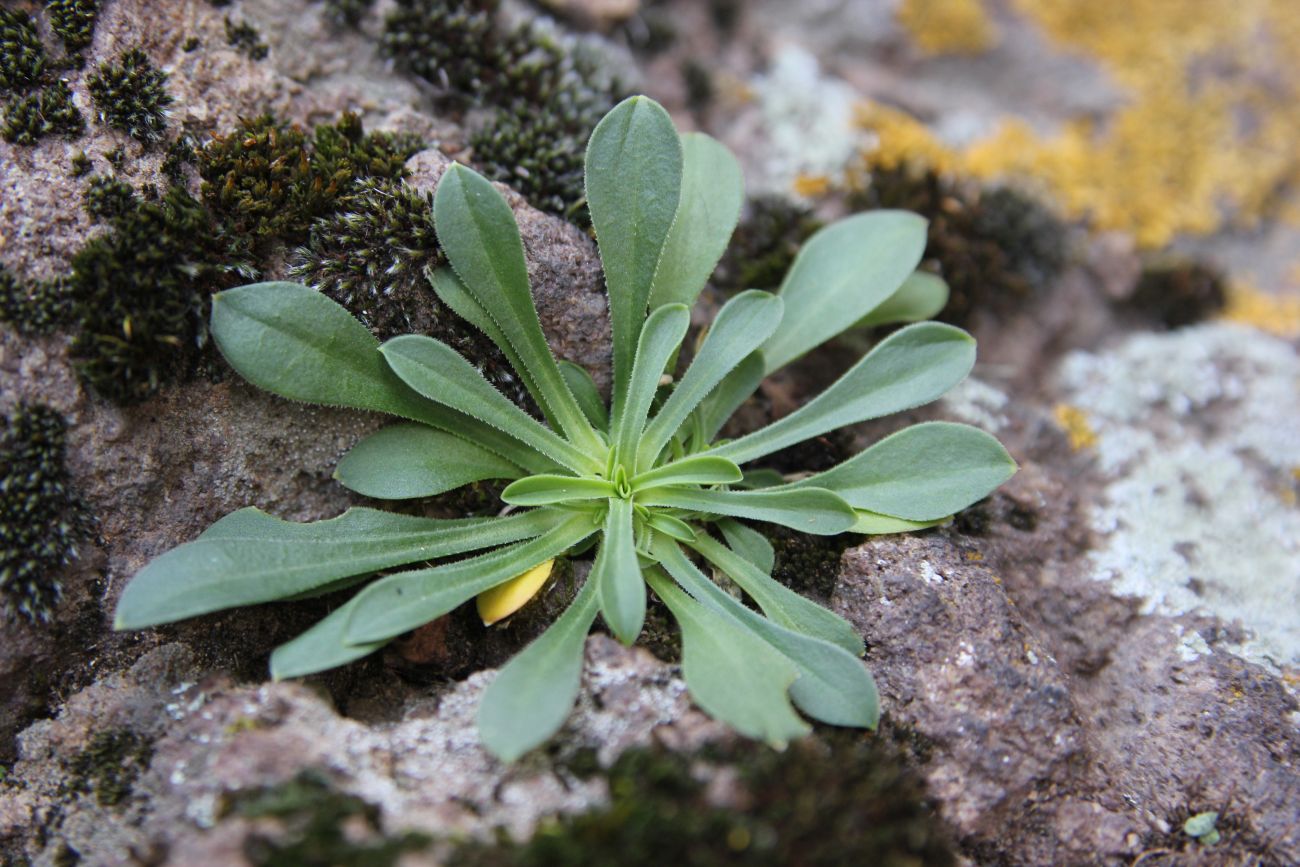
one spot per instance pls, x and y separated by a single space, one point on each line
501 601
713 190
748 543
545 490
411 460
320 648
249 557
922 473
822 513
533 695
634 179
585 392
921 296
617 574
909 368
697 470
841 274
733 674
671 527
873 524
662 334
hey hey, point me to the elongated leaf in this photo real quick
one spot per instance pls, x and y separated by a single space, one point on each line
873 524
533 695
660 338
740 327
833 686
713 190
841 274
477 231
634 179
319 648
412 460
545 490
922 473
921 296
731 673
617 575
748 543
249 557
909 368
734 390
295 342
499 602
700 470
585 392
822 513
400 602
438 372
779 602
671 527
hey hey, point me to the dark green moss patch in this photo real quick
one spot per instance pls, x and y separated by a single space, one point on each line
1178 292
107 197
807 564
244 38
48 111
41 519
319 824
348 12
73 21
130 94
764 245
33 308
22 57
82 165
538 153
109 766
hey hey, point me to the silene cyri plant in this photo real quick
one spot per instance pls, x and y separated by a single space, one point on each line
644 482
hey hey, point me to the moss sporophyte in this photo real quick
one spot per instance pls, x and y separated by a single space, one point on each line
643 481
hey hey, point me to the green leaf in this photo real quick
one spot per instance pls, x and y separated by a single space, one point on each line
761 477
748 543
713 191
873 524
585 392
670 526
822 512
249 557
617 574
833 686
662 334
909 368
921 296
740 327
634 180
477 231
547 490
841 274
922 473
533 695
400 602
320 648
295 342
734 390
411 460
731 673
438 372
779 602
699 470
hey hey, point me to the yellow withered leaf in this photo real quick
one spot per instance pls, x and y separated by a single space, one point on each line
501 601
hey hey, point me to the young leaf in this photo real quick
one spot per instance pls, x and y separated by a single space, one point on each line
846 269
671 527
833 686
634 179
922 473
740 327
533 695
497 603
477 231
438 372
822 512
698 470
873 524
921 296
400 602
546 490
617 575
411 460
779 602
585 392
320 648
249 557
910 367
734 390
733 674
748 543
713 190
660 338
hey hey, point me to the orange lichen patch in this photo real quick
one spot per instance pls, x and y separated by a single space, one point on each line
1205 140
812 186
948 26
1276 314
974 556
1075 423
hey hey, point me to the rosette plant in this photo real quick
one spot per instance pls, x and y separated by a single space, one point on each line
642 481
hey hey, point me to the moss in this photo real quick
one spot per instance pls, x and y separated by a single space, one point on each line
320 827
34 308
107 197
130 95
845 800
41 518
82 165
73 21
699 85
245 38
807 564
180 153
109 766
1176 292
538 153
764 244
22 57
348 12
48 111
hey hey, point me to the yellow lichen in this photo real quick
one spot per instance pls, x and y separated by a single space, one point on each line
948 26
812 186
1075 423
1276 314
